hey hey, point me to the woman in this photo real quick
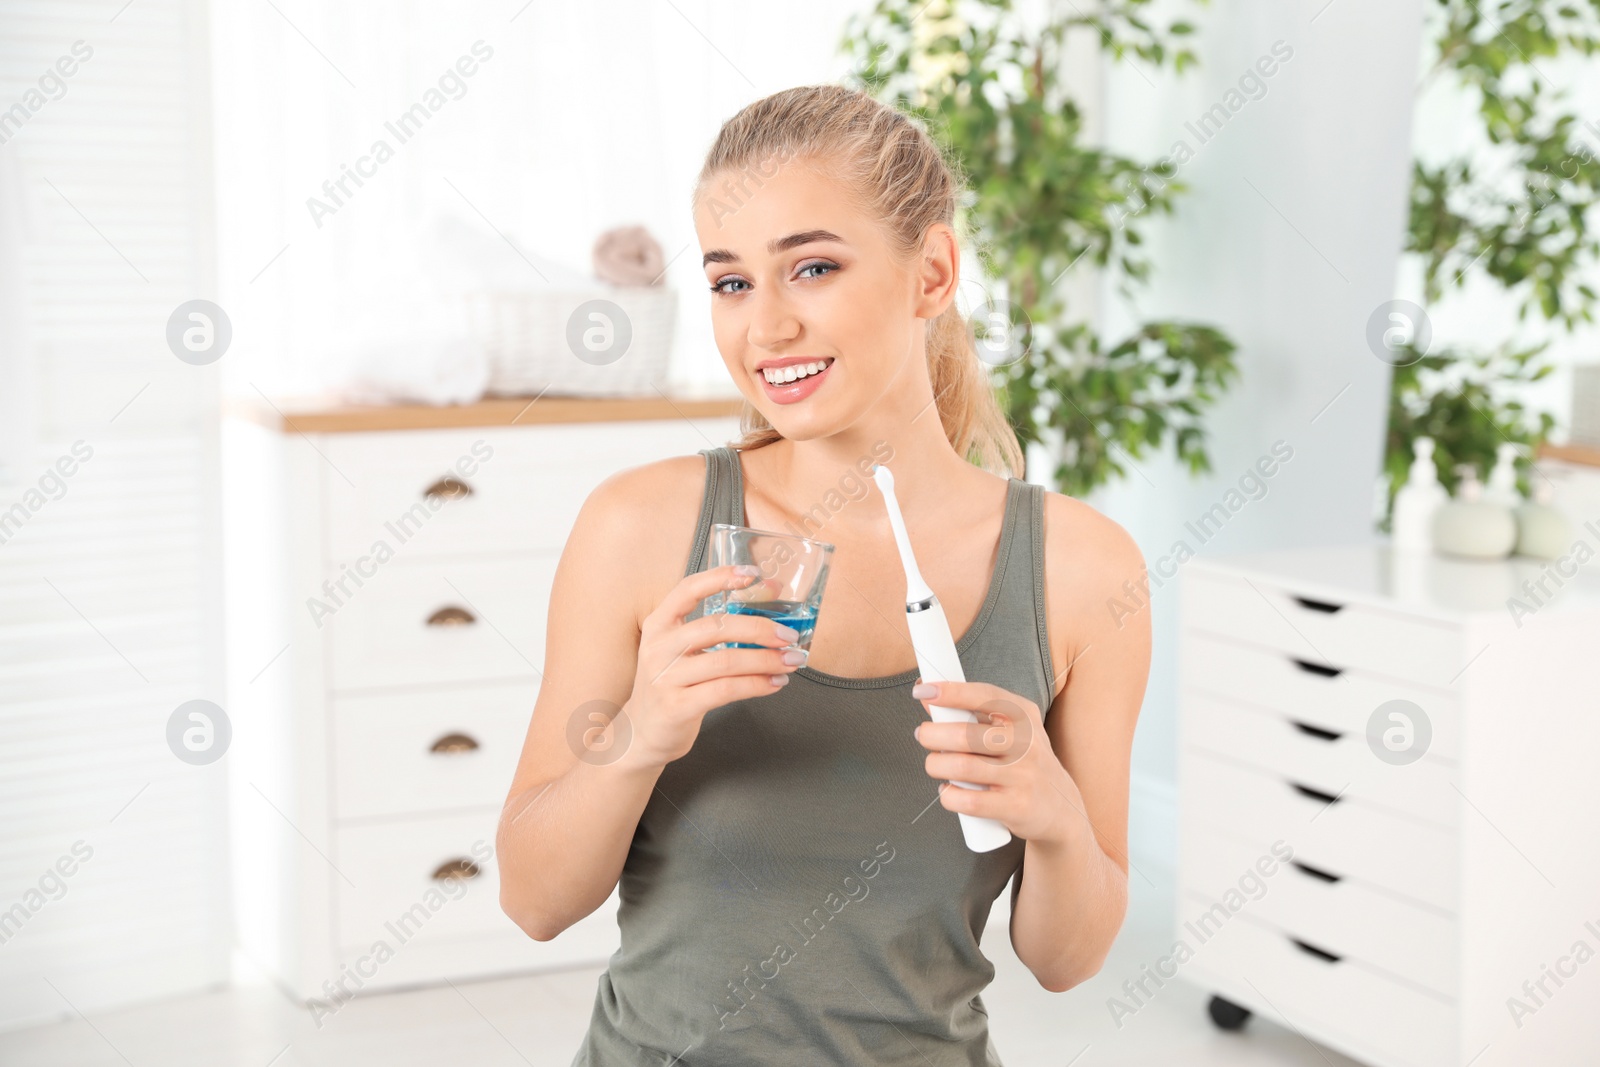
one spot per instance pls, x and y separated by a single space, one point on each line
795 887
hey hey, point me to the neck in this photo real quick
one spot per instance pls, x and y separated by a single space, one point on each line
827 481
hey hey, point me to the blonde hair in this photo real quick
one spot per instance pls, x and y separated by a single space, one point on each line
899 175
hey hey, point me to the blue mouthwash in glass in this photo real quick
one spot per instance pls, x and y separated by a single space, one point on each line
795 614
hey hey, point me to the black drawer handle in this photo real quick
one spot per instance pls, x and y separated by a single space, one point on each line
1316 731
1318 605
1314 794
1318 873
1317 668
1313 950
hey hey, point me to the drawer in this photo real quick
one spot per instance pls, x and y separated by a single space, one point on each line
1350 635
1349 837
1341 1003
428 751
1323 908
432 621
392 893
480 489
1333 696
1341 763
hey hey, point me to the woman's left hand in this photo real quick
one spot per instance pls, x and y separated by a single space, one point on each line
1007 749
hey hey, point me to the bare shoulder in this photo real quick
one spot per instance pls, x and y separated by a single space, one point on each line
1092 566
642 520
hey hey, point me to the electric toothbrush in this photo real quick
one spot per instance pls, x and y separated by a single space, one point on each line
936 655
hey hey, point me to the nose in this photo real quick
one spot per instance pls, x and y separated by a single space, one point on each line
772 320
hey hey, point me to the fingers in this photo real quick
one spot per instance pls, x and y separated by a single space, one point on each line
964 767
663 644
980 696
720 691
743 629
691 670
1002 736
694 588
996 804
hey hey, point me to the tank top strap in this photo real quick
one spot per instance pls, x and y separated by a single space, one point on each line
1021 605
1036 540
722 501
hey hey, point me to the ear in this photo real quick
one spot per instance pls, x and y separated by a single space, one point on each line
938 272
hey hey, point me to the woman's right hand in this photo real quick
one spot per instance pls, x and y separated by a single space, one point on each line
677 682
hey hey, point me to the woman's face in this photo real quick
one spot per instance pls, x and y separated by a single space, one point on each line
799 278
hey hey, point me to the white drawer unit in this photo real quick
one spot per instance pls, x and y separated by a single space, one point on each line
1420 732
443 620
389 572
427 749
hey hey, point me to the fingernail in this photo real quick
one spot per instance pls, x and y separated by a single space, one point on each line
778 679
786 633
794 657
924 691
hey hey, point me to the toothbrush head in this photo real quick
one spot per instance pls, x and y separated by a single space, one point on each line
916 588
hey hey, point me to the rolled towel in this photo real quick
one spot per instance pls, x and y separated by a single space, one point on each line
628 255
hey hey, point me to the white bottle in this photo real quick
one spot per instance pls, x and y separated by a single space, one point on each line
1502 487
1417 500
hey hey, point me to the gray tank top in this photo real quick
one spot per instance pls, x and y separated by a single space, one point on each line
794 893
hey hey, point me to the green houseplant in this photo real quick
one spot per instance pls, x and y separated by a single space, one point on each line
1516 213
987 85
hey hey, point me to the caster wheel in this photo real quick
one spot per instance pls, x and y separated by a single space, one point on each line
1227 1015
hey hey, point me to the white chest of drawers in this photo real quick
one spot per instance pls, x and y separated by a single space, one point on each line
1434 908
388 574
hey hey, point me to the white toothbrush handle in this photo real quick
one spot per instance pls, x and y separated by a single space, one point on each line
938 662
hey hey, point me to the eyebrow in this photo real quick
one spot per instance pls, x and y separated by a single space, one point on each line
776 245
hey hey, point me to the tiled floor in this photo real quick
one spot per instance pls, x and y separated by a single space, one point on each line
537 1021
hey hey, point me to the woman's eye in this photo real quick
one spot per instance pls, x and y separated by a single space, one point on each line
817 266
720 286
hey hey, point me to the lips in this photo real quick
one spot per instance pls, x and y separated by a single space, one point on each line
797 390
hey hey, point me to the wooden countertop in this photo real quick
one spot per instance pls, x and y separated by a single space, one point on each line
309 415
1572 454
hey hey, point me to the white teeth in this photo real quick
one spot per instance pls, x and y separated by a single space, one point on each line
783 375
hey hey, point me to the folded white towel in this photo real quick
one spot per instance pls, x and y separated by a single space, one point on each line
415 369
409 344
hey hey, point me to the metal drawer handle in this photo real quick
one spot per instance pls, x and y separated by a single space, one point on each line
448 488
450 744
1326 606
1314 794
1316 668
455 870
1318 873
451 616
1312 950
1315 731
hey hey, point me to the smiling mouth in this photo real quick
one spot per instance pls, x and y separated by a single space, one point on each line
795 372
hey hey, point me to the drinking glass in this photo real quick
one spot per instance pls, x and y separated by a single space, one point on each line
788 590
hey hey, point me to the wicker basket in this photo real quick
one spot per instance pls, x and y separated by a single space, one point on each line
605 341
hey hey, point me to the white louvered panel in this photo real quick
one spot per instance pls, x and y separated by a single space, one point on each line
131 544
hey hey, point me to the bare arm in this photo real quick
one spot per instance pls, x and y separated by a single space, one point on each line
565 827
1073 891
586 770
